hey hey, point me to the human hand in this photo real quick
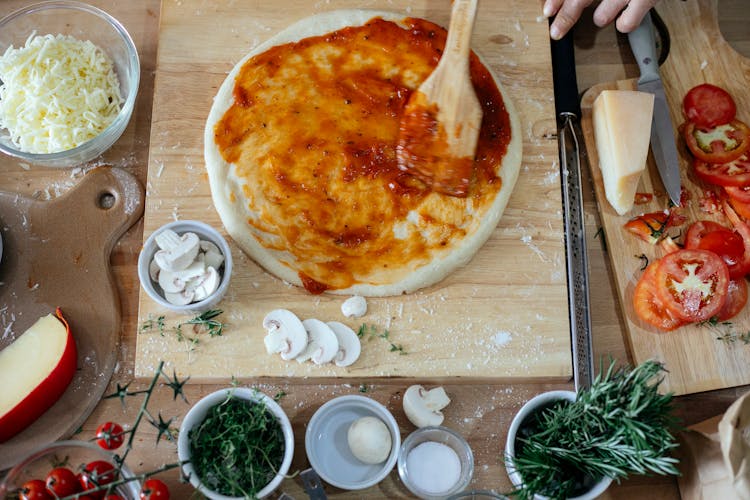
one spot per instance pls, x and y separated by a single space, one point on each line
567 12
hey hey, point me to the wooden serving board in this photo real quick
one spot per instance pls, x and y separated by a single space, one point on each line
695 359
502 316
47 262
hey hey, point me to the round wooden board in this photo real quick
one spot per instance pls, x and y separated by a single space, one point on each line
56 254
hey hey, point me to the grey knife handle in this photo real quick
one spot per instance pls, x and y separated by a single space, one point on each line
643 44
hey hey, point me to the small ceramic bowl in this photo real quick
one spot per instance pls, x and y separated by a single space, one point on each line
84 22
198 412
327 446
71 454
444 436
538 403
204 232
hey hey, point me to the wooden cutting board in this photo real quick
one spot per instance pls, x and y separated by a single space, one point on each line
503 316
47 263
695 359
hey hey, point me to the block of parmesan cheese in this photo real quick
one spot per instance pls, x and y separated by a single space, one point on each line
622 129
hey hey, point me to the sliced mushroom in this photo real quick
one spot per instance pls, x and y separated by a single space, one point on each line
212 256
322 343
171 282
182 298
153 271
422 407
286 334
349 344
354 307
179 257
205 284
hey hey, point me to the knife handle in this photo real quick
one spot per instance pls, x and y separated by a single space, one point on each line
564 76
643 45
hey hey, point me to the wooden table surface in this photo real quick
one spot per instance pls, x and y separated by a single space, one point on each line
481 413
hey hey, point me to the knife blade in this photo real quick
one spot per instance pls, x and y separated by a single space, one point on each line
567 107
663 146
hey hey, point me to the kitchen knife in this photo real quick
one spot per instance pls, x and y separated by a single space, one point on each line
663 146
568 113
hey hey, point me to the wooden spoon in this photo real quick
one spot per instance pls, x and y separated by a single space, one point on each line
440 125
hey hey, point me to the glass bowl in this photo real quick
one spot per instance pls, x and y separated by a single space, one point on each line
410 476
72 454
83 22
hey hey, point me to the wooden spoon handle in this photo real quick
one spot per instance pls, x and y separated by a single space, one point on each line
458 43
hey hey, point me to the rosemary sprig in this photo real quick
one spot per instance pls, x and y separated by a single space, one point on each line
619 426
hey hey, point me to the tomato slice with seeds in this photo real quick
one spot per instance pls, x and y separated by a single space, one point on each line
736 299
741 194
692 283
719 144
649 307
731 173
722 241
650 227
707 105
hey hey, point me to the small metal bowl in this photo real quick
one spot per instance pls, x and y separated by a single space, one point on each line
83 22
204 232
327 446
444 436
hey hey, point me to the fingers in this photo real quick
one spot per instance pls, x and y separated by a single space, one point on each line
633 14
608 10
566 14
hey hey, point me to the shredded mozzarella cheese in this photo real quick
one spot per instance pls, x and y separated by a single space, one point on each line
57 92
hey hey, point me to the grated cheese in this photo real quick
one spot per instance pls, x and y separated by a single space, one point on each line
57 92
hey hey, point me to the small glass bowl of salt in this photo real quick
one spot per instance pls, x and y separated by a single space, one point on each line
435 462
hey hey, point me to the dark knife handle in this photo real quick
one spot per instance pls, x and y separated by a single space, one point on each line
564 76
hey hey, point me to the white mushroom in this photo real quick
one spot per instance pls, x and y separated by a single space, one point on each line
212 256
349 344
322 344
354 307
180 256
153 271
286 334
422 407
180 298
205 284
369 440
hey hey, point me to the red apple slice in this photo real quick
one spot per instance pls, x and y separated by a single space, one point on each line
35 370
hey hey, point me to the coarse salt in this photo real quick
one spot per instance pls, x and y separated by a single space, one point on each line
433 467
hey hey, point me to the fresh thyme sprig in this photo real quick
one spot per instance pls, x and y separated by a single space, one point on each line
370 332
202 323
619 426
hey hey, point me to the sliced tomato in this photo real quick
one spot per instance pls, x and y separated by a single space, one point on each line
707 105
722 241
692 283
649 307
741 194
643 198
742 209
650 227
736 299
719 144
732 173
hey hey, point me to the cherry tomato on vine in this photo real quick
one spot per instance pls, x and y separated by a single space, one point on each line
62 482
34 489
109 435
95 474
707 105
154 489
720 144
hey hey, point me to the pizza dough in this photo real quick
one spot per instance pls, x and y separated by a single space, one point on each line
300 152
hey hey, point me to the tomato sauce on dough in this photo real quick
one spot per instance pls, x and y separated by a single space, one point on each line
312 136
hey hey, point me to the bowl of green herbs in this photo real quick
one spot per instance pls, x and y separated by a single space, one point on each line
236 443
563 444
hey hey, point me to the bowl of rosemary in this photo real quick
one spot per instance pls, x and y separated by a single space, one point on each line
563 444
236 443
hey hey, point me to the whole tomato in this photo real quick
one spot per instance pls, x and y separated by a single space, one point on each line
95 474
109 435
35 489
154 489
62 482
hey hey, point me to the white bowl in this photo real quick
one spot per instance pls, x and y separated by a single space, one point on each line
83 22
204 232
534 404
327 446
198 412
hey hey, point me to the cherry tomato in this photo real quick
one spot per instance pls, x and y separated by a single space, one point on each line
722 241
95 474
35 489
720 144
109 435
731 173
62 482
154 489
692 283
649 307
736 299
707 106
